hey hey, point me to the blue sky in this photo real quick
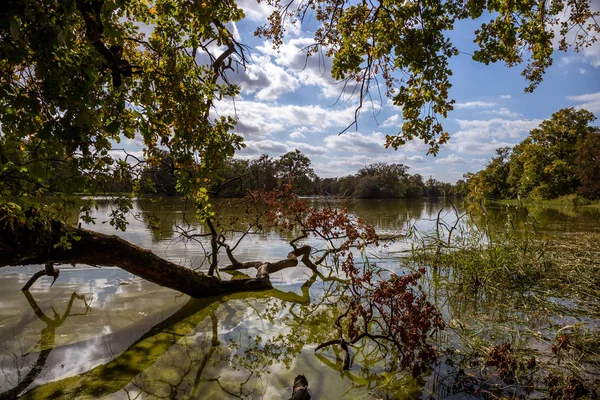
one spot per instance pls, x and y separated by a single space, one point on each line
290 102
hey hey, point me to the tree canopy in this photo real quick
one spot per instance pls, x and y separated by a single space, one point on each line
293 169
408 46
557 158
78 77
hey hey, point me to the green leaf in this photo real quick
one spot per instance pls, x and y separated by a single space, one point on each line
113 127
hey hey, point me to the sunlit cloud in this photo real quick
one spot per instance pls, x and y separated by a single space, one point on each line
590 101
450 160
474 104
504 112
393 121
356 142
484 136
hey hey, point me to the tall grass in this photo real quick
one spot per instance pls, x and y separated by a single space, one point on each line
524 311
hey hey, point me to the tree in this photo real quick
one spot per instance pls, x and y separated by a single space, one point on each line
492 181
382 180
554 160
407 45
159 178
76 78
415 187
587 164
432 188
296 166
80 76
545 162
460 188
264 173
232 179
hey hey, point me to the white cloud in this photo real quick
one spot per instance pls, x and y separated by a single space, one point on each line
297 135
474 104
483 147
262 147
357 143
310 71
306 148
452 159
258 120
589 55
273 147
504 112
505 96
496 127
280 82
417 159
566 60
592 54
342 166
137 141
257 128
350 164
582 71
255 11
590 101
484 136
265 79
394 121
232 27
132 157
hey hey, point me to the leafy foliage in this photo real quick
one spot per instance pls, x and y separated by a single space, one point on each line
378 180
296 166
587 164
391 311
407 44
556 159
78 77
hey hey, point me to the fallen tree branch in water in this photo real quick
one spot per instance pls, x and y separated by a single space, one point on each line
49 270
272 267
42 242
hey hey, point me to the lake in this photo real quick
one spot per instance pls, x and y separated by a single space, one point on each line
131 339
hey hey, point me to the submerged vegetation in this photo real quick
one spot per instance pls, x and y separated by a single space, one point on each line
534 305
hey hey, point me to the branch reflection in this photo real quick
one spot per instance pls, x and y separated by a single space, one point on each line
46 343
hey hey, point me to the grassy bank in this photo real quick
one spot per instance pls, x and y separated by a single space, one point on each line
566 200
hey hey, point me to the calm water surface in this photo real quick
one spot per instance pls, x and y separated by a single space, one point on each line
139 340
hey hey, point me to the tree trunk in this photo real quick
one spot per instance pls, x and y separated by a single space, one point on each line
36 243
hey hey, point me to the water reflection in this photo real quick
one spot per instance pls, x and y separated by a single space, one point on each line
247 345
168 360
142 341
45 345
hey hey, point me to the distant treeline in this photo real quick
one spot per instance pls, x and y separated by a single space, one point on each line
376 181
560 157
